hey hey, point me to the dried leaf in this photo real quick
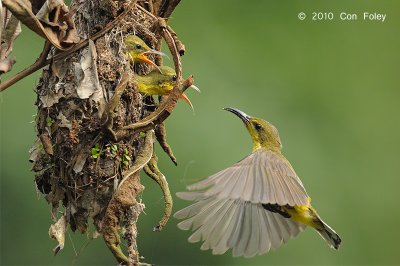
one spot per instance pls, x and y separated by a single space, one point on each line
36 151
58 68
51 98
10 28
60 32
48 7
57 232
89 83
54 197
6 65
64 122
80 162
46 142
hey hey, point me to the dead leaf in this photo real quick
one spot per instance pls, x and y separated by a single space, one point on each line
57 232
64 122
50 6
80 162
36 151
10 28
52 97
46 142
6 65
53 21
89 84
58 68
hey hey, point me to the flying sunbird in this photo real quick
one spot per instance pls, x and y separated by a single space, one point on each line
256 204
137 50
160 83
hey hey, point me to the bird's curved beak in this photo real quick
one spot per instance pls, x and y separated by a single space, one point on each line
245 118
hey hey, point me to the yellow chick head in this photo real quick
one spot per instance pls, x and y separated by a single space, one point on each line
137 50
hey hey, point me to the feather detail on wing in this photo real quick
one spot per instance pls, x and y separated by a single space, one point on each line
261 177
246 228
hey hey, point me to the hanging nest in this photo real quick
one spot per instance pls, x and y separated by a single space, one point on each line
95 130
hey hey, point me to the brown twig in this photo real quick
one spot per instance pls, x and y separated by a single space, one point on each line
161 136
179 45
174 51
149 5
41 62
167 8
156 6
158 58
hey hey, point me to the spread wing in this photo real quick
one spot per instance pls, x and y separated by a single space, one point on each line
261 177
246 228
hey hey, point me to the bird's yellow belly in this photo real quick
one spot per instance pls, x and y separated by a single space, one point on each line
303 214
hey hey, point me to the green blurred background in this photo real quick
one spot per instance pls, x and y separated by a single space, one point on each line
330 87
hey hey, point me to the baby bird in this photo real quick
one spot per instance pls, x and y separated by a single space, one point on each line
137 50
160 83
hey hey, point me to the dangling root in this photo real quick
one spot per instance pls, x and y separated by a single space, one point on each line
161 135
151 169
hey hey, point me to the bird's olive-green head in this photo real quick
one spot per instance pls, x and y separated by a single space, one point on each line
160 82
157 82
263 134
136 50
167 76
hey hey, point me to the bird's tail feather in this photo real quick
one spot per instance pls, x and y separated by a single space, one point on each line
330 236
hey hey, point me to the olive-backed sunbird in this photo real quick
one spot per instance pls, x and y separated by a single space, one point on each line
256 204
160 83
137 50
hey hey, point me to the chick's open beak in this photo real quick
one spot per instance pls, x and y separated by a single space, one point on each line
144 59
184 97
245 118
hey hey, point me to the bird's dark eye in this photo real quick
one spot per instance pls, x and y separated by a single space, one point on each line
138 46
257 126
173 78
